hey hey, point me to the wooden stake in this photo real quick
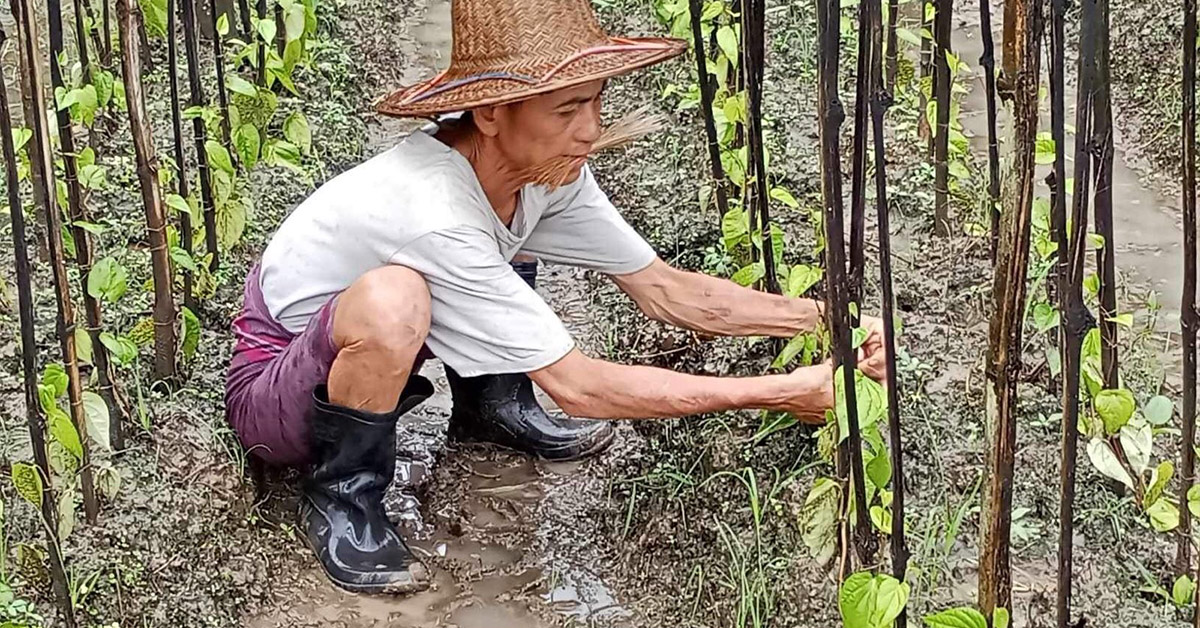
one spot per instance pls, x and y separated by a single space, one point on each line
754 40
988 62
261 9
941 90
893 47
199 133
181 175
222 94
31 101
858 171
1102 147
1188 316
33 416
128 24
707 89
62 289
78 213
832 115
1008 293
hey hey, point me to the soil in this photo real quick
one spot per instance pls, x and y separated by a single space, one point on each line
647 533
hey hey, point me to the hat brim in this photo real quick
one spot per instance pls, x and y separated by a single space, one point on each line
433 97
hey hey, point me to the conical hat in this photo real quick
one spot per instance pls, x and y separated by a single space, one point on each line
509 50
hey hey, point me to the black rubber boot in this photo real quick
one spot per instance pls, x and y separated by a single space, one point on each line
342 508
503 410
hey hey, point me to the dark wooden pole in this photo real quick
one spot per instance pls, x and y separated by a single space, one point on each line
941 91
858 164
244 13
181 178
707 89
128 24
52 217
1102 148
893 52
261 9
222 93
988 62
1008 294
78 212
33 416
1188 315
832 115
754 36
199 133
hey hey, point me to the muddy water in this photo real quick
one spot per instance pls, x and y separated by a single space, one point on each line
1146 222
502 532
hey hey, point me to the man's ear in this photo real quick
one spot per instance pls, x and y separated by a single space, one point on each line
487 119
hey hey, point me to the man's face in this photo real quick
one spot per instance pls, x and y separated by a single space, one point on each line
558 126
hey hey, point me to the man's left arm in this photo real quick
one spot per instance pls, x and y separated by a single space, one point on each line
719 307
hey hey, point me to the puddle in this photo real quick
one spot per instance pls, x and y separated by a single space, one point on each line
1146 224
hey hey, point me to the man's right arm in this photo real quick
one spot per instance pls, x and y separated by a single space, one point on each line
587 387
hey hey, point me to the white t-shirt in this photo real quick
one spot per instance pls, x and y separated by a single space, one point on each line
420 205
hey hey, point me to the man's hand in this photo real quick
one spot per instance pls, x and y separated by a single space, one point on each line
872 355
813 393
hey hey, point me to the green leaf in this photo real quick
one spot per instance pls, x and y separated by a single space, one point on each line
881 518
83 346
28 482
1159 410
871 400
231 223
218 157
1193 500
107 280
785 197
1183 591
908 36
239 85
96 416
93 176
879 469
1115 407
182 259
20 137
55 378
957 618
856 600
63 431
858 336
293 22
121 349
801 278
179 204
296 130
727 41
1137 443
818 519
1045 317
1158 482
246 142
1000 618
154 14
1124 320
891 597
108 481
749 274
223 24
1106 462
266 29
734 226
66 514
191 334
1164 516
790 351
103 80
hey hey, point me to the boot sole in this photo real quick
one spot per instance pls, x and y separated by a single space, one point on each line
566 453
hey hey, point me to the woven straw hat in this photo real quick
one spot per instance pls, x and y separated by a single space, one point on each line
509 50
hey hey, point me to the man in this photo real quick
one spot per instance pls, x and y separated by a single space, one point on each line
409 255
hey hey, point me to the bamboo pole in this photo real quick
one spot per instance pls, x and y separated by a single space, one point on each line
106 55
1008 293
1102 145
707 88
244 13
988 62
261 9
181 176
199 133
31 102
941 89
927 68
1188 318
881 99
754 38
858 165
128 24
222 94
893 46
832 115
34 419
78 212
62 289
81 37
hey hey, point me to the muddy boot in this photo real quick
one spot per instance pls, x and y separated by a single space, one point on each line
342 507
502 409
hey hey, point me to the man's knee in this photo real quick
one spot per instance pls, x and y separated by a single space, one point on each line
386 309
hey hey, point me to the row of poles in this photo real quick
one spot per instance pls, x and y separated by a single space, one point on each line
1010 232
134 60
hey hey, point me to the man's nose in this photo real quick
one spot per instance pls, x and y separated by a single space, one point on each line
590 128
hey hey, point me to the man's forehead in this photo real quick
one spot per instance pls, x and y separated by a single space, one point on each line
576 94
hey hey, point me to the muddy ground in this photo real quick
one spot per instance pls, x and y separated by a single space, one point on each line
634 537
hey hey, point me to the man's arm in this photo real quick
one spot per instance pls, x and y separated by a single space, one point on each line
715 306
587 387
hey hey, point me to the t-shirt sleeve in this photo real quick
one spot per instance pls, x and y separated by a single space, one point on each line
582 228
486 320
